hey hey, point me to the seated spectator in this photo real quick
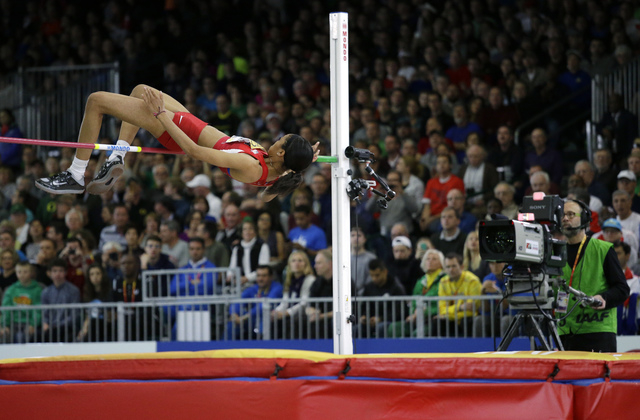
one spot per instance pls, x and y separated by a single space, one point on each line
154 259
8 260
432 264
505 192
461 130
549 159
627 218
77 262
320 315
435 194
300 197
492 284
32 246
8 239
479 178
172 245
194 283
606 170
576 80
59 324
201 187
455 316
230 235
409 170
400 209
193 219
627 182
272 236
249 254
587 172
18 217
507 158
46 255
540 182
628 312
452 238
612 231
404 268
360 259
471 259
496 114
97 326
456 200
306 236
127 288
21 326
376 316
215 251
115 231
297 285
246 319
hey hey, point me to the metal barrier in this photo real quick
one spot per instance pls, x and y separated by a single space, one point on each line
624 81
48 102
230 318
161 285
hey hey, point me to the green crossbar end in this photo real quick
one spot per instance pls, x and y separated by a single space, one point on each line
328 159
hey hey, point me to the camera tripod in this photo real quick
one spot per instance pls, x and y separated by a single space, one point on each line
535 321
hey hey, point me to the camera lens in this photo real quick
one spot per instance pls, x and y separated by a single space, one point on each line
500 240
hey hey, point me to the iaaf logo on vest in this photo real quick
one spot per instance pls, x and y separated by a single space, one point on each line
581 319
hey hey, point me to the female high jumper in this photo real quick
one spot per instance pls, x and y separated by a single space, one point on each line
279 169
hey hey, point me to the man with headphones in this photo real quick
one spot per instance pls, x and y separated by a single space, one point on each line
593 268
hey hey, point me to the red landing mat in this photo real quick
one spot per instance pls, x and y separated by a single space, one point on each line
282 384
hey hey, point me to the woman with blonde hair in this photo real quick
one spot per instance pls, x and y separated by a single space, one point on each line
298 280
471 259
432 264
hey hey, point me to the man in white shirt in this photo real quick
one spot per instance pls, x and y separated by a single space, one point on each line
627 218
201 186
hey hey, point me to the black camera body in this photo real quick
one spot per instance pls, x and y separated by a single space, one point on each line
528 247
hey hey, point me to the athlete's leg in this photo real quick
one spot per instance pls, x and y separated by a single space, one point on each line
128 130
126 108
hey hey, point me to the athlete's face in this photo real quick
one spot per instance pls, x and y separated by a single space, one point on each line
279 145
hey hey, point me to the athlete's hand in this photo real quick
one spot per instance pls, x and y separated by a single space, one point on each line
316 152
154 100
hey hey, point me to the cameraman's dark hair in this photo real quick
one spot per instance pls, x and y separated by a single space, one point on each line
57 262
452 255
297 157
377 264
265 267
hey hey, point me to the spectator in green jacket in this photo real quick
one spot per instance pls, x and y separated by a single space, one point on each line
19 326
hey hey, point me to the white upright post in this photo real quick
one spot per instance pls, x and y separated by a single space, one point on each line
340 206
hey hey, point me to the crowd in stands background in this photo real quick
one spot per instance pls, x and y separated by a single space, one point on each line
436 91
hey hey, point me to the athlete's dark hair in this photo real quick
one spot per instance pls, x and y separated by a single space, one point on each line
298 155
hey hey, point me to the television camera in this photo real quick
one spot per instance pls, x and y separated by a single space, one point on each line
534 260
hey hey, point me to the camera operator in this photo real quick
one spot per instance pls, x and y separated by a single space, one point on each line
593 268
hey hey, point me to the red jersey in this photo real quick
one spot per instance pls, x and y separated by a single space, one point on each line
436 192
237 144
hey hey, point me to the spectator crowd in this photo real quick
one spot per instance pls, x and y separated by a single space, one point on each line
436 91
